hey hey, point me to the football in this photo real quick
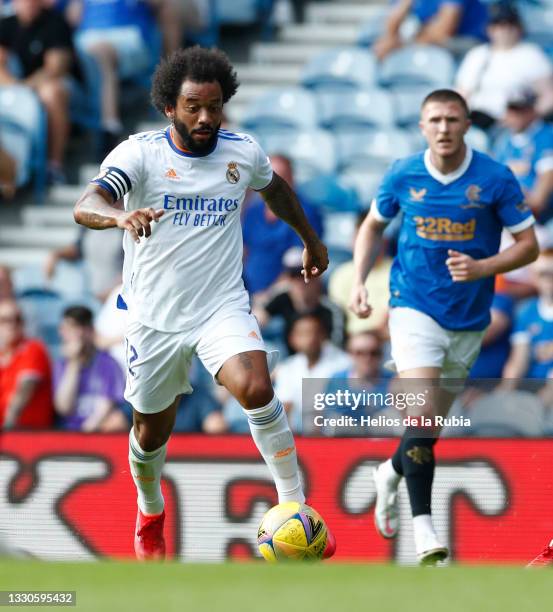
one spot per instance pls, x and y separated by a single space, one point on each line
292 531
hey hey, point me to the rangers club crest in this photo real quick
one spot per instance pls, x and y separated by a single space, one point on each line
233 176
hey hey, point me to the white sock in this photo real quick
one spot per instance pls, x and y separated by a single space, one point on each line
146 469
387 470
424 532
272 436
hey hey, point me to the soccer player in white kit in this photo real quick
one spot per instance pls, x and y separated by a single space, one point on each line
178 193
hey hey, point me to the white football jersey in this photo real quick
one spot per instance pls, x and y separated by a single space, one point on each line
191 265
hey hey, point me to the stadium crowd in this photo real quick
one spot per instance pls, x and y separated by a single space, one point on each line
63 360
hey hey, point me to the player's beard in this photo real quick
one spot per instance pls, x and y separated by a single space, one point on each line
189 142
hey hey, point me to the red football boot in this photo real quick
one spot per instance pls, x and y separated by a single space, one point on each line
544 558
149 543
330 547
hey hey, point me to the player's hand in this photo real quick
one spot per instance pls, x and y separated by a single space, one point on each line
137 222
359 301
463 268
315 260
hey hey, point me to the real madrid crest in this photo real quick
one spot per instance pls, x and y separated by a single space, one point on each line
233 176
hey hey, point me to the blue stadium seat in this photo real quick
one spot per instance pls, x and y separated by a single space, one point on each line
365 182
42 310
417 65
23 125
371 148
242 11
311 151
478 139
363 108
340 69
373 28
281 109
329 192
538 22
407 105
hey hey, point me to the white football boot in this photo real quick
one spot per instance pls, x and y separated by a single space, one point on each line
430 550
386 511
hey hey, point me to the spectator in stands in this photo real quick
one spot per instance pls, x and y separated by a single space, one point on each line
339 288
102 257
527 148
117 35
454 23
490 72
40 39
25 374
496 342
532 339
295 297
315 357
88 383
267 238
8 173
6 284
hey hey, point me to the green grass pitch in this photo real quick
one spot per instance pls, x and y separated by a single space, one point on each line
259 587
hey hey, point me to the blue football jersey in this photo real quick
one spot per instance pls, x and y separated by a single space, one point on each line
465 210
535 328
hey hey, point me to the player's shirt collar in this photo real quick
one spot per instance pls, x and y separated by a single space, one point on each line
446 179
185 152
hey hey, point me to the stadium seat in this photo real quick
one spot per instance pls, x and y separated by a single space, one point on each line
365 182
507 415
23 125
311 151
340 69
242 11
371 148
407 105
338 230
372 29
281 109
42 310
538 22
478 139
363 108
328 191
69 280
417 65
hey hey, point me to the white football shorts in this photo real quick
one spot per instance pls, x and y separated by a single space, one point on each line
418 341
158 362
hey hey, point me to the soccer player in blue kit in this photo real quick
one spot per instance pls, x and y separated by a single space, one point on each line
455 204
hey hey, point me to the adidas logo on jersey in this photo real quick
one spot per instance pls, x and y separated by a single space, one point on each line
171 174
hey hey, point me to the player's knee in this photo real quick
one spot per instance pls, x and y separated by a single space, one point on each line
255 392
150 440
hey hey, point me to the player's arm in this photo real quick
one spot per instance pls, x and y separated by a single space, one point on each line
538 199
442 26
282 200
98 209
524 251
365 252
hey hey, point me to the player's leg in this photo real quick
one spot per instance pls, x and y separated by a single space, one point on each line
246 376
419 347
157 366
231 348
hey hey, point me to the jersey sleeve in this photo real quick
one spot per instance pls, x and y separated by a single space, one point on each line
262 171
121 170
513 212
386 204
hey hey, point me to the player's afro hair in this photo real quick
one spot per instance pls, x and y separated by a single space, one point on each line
196 64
